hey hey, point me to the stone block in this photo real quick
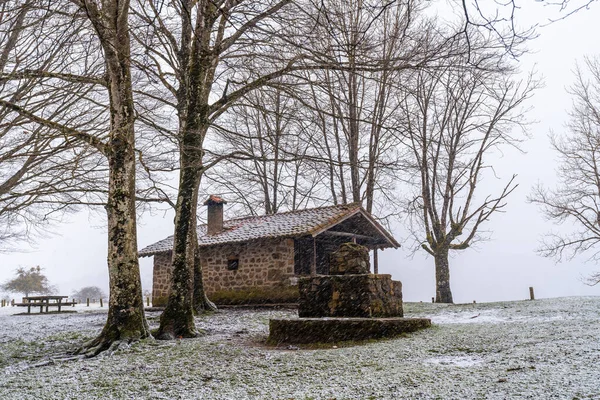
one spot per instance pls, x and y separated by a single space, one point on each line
362 296
332 330
350 258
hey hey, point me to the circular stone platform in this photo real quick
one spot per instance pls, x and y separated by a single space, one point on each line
330 330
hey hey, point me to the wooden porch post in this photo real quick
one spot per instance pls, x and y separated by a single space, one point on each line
375 262
313 266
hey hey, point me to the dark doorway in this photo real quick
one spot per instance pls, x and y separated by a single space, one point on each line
303 253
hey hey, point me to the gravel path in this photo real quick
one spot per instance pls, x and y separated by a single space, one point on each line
546 349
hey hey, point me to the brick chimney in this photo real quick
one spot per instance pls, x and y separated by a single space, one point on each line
215 214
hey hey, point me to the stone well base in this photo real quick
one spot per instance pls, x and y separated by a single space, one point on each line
355 296
331 330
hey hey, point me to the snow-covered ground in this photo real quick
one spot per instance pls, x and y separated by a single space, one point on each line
545 349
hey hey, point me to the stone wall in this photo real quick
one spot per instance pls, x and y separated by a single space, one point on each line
161 279
361 296
263 273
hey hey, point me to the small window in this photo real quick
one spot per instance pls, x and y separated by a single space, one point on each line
233 264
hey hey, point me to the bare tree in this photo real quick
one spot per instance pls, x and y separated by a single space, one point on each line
262 159
103 25
41 173
351 106
453 119
202 53
208 55
575 201
88 292
344 100
126 320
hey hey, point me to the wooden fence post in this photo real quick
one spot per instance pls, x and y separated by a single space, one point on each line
100 302
88 301
147 301
531 296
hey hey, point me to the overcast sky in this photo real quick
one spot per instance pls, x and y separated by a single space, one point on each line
500 269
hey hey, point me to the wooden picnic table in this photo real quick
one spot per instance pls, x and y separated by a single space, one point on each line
44 301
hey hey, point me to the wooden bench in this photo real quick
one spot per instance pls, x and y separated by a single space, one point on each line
44 302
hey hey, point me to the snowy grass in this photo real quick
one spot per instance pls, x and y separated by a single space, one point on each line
546 349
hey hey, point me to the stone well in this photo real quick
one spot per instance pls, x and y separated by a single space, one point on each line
362 296
350 304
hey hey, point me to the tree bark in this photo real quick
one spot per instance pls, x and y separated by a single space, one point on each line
201 301
126 321
193 95
178 318
442 277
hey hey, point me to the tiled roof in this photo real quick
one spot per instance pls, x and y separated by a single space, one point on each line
288 224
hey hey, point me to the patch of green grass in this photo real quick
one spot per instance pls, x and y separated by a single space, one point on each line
286 294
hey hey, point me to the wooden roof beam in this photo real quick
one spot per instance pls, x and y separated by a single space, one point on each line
350 235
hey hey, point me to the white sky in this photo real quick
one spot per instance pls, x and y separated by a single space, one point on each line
501 269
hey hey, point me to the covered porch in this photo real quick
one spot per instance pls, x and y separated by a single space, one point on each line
312 252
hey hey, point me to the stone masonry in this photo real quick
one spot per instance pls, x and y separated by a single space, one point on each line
350 258
348 306
361 296
161 278
263 266
352 291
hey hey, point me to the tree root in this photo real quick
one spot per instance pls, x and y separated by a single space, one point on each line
102 344
171 334
107 343
204 306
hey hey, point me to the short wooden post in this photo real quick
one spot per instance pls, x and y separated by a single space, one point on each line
313 265
375 262
12 302
147 301
88 302
433 299
531 295
100 302
2 302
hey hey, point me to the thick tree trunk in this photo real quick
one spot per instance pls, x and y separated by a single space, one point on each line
442 277
201 301
178 318
126 321
197 62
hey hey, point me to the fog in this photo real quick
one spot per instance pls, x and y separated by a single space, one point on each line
500 269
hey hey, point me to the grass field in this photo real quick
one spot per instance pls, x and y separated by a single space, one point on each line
545 349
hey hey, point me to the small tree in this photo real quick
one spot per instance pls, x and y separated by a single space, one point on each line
29 281
89 292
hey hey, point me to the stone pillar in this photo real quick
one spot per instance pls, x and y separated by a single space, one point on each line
350 258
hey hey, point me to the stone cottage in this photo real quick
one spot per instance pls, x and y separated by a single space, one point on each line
259 259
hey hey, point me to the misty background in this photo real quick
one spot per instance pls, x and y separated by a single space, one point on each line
500 269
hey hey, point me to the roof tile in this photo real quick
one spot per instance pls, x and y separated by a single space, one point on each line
287 224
